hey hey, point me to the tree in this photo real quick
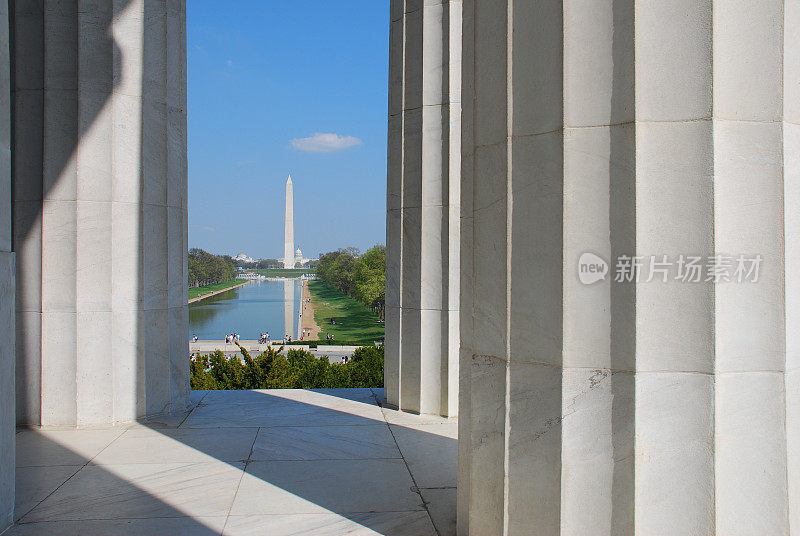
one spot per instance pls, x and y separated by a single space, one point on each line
208 269
362 277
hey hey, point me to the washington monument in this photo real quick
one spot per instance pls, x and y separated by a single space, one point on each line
288 244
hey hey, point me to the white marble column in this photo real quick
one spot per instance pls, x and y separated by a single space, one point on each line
423 204
641 129
7 447
100 210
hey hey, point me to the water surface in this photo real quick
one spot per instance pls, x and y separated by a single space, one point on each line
259 306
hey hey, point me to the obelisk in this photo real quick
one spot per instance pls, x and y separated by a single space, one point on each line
288 246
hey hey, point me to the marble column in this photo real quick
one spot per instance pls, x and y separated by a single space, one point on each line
423 203
99 159
651 406
6 287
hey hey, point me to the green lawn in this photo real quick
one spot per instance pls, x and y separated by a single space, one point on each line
283 272
354 322
197 291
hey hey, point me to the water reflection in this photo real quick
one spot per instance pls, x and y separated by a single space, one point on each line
288 305
259 306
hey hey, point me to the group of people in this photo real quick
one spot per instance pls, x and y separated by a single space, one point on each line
329 336
232 338
263 338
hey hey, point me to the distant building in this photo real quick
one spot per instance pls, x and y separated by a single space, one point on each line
244 258
300 261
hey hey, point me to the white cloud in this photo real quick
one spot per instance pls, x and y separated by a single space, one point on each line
322 142
229 63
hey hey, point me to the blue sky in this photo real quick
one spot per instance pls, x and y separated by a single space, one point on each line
265 77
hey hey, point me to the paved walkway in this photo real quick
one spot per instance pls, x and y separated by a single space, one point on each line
276 462
308 314
333 353
215 292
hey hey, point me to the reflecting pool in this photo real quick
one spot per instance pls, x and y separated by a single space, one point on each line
257 307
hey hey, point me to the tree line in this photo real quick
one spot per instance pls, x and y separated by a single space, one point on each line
262 264
208 269
360 276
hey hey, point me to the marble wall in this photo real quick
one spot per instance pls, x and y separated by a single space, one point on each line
423 203
622 128
100 209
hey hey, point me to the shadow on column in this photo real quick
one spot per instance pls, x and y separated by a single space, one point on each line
622 218
30 113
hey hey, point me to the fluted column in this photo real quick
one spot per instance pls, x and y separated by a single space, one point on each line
7 447
100 210
423 204
651 406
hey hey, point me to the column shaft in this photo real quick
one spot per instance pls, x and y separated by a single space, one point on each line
643 130
791 202
466 326
100 210
751 177
674 328
27 162
7 435
599 185
422 207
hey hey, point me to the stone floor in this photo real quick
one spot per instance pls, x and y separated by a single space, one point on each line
274 462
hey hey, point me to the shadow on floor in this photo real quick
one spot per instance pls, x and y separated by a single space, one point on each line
243 462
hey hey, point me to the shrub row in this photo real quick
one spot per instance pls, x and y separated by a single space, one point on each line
297 369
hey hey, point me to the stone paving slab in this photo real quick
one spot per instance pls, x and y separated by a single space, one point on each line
324 442
132 491
277 462
414 523
441 503
393 416
262 408
62 447
430 451
34 484
145 445
320 486
176 526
